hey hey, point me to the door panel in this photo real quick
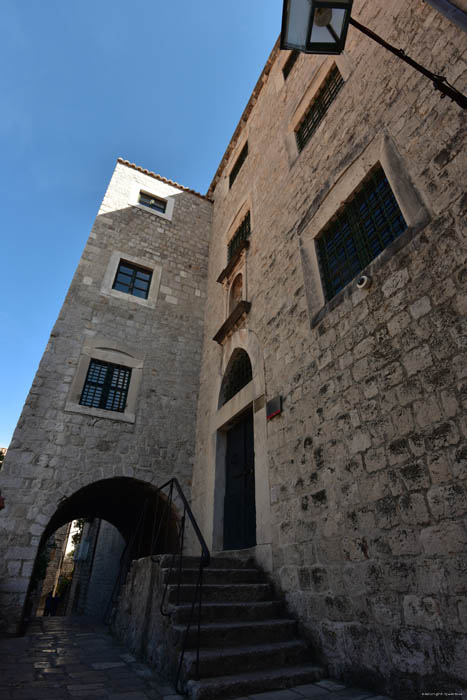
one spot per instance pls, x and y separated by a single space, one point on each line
239 503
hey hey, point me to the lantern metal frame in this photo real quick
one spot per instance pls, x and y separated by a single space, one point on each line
439 82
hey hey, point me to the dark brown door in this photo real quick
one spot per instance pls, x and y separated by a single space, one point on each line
239 503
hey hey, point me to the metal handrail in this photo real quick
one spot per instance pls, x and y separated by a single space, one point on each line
205 559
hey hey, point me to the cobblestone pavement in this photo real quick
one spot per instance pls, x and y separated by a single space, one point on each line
75 658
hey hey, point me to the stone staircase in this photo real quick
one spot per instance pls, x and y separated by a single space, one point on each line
247 642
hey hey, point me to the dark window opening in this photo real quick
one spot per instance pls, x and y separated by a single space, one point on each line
132 280
318 108
238 164
240 235
238 374
367 224
106 386
148 200
290 62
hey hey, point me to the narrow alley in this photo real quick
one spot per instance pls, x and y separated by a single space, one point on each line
75 658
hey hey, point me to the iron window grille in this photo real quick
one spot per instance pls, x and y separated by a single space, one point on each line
367 224
132 280
106 386
238 164
240 235
152 202
238 375
290 62
319 107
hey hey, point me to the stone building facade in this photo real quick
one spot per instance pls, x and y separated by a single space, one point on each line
361 480
348 396
61 446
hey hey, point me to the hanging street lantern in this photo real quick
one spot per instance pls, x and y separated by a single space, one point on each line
320 26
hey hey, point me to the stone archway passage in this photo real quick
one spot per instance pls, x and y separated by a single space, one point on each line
144 517
129 505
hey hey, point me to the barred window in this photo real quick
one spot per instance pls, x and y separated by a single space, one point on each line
238 164
240 235
106 386
132 280
367 224
152 202
290 62
238 374
318 108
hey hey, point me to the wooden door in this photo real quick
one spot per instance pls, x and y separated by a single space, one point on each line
239 502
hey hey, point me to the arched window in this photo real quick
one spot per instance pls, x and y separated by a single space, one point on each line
236 292
238 374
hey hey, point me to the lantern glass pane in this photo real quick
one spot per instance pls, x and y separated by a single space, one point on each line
298 20
322 35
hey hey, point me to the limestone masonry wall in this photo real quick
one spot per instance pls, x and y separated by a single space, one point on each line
59 446
367 464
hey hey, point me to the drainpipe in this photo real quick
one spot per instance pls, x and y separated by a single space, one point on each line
453 13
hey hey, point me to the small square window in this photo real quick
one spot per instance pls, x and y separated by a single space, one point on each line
106 386
132 280
370 220
152 202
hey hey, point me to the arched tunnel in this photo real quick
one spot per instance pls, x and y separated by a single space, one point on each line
146 517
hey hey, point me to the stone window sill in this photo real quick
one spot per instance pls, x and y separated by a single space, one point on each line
99 413
240 311
226 272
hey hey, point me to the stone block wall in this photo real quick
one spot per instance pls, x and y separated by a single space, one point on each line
367 462
59 446
105 568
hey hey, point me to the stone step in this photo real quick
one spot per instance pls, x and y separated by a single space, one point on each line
219 635
243 684
229 593
242 659
221 562
211 575
217 612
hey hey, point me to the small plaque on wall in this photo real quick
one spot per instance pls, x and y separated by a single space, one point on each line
274 407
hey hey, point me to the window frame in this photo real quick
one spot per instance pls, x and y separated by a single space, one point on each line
158 190
103 349
92 384
163 202
319 107
136 269
107 288
382 150
238 164
350 229
290 62
345 67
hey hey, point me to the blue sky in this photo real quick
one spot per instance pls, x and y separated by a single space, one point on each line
162 84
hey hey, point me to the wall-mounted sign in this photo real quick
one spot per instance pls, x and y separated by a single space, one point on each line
274 407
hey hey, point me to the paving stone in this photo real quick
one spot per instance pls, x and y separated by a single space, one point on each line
276 695
128 696
355 694
312 691
100 666
331 685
